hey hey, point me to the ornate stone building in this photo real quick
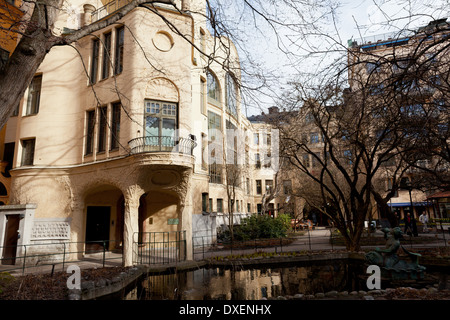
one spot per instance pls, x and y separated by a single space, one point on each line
112 140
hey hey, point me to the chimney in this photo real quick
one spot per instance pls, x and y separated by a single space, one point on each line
273 110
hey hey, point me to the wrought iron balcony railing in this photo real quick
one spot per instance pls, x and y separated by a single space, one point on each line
107 9
162 144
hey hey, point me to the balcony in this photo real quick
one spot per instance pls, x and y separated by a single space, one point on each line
166 144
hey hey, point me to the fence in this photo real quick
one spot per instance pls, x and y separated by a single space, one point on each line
309 241
203 247
56 255
159 247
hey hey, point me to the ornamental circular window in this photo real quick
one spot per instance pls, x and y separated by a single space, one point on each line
163 41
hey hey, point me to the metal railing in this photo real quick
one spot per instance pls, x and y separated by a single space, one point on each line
107 9
51 256
159 247
162 144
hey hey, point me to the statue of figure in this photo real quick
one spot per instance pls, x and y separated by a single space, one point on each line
388 259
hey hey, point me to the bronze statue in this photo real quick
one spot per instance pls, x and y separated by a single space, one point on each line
390 262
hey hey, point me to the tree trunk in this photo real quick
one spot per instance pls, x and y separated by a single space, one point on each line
22 66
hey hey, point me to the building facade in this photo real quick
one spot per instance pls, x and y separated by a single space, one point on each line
406 71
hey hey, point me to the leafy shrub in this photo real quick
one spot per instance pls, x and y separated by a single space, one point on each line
263 227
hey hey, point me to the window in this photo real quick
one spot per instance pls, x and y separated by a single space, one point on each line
348 156
34 95
214 127
219 205
372 67
231 93
213 88
106 55
314 137
160 121
202 40
256 138
306 160
94 63
287 187
248 186
258 187
205 202
118 64
28 152
16 111
269 186
257 161
249 208
316 159
90 125
103 114
259 208
115 125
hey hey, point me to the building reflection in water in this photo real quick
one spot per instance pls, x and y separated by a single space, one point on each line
248 284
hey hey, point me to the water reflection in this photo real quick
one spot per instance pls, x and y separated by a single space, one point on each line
249 284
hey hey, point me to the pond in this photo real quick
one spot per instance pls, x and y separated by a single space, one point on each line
239 283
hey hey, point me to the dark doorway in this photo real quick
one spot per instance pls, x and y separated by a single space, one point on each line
97 228
11 238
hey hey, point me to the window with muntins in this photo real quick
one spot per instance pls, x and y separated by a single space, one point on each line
34 95
231 93
103 117
28 152
213 88
115 125
119 51
95 57
90 126
106 55
160 121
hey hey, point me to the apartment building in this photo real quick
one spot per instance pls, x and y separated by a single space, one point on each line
121 135
405 70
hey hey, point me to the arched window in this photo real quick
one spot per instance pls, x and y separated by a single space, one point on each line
3 191
213 88
231 92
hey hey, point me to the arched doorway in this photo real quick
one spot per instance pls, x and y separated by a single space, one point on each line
103 217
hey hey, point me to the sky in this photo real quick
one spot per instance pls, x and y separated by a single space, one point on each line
355 19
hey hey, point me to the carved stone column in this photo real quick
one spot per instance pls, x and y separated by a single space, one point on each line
184 191
131 225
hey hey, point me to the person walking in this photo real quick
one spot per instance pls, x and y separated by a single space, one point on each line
424 220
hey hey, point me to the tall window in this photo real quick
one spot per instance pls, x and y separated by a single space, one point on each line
213 88
34 95
90 125
95 56
231 94
214 166
106 55
103 116
28 152
269 185
160 121
115 125
258 187
120 36
219 205
314 137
